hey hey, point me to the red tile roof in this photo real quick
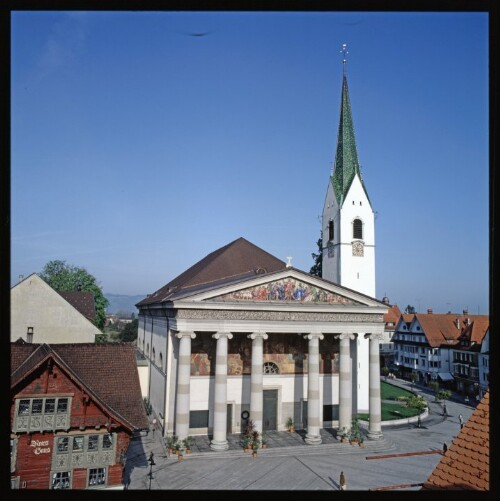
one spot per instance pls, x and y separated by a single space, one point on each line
441 328
466 463
108 371
393 314
83 301
236 260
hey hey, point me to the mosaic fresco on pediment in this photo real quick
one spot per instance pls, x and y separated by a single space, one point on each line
287 289
289 352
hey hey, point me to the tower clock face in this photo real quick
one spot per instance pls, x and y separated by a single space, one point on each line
357 249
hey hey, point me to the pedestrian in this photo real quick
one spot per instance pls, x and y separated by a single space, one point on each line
342 481
418 422
445 412
461 419
445 448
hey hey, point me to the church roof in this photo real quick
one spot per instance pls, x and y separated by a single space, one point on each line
466 463
346 157
235 261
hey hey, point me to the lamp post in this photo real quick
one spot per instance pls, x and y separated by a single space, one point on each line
151 464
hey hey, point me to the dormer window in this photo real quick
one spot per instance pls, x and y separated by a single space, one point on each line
357 229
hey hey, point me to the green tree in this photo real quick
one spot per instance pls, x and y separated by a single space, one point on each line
63 277
317 268
410 309
129 332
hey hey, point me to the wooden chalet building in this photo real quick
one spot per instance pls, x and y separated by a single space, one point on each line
74 409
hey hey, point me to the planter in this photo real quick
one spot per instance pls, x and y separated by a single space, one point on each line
188 451
180 457
291 429
254 454
362 444
343 440
264 446
247 449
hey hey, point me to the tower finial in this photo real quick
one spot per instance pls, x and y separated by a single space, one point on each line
344 55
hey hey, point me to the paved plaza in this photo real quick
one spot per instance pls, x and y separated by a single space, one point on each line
290 464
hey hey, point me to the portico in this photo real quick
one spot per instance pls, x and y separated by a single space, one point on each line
300 336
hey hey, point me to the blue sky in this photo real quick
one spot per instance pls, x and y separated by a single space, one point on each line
138 149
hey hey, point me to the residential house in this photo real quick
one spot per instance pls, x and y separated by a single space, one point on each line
484 365
424 344
391 319
466 357
39 314
466 463
74 409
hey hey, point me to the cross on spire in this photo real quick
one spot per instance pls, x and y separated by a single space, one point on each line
344 52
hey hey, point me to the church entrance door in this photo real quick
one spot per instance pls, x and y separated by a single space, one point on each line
270 420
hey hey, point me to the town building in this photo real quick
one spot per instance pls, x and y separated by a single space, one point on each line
466 357
427 345
243 335
484 365
39 314
74 409
465 465
391 319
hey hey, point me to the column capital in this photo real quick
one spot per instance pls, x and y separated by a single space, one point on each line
218 335
316 335
375 336
179 335
255 335
345 336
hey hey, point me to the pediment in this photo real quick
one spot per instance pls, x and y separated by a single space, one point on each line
288 289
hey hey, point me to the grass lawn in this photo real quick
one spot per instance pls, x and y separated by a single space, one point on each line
394 410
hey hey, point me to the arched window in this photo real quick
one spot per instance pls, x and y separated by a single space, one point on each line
357 229
154 355
330 230
270 368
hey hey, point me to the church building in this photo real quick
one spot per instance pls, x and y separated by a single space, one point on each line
243 335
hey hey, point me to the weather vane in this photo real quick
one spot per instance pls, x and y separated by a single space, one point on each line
344 52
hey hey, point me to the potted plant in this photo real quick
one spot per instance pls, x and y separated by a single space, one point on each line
361 440
245 443
263 439
355 433
343 434
188 443
255 443
170 441
290 425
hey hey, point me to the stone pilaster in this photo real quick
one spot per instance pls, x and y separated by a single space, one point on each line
219 440
256 379
314 420
183 383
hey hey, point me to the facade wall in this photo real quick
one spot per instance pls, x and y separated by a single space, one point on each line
54 320
49 442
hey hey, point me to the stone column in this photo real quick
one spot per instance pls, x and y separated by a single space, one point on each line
375 427
256 379
183 381
345 382
314 420
219 440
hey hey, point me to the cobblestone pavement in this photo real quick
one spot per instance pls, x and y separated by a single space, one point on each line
290 464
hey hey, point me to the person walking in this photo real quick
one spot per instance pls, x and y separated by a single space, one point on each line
461 420
342 482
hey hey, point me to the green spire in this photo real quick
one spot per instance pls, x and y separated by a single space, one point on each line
346 158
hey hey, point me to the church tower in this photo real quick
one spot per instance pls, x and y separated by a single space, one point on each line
348 221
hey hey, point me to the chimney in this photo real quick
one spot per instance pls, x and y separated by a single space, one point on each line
429 310
289 263
465 311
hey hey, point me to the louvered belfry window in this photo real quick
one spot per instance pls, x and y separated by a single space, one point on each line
357 229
